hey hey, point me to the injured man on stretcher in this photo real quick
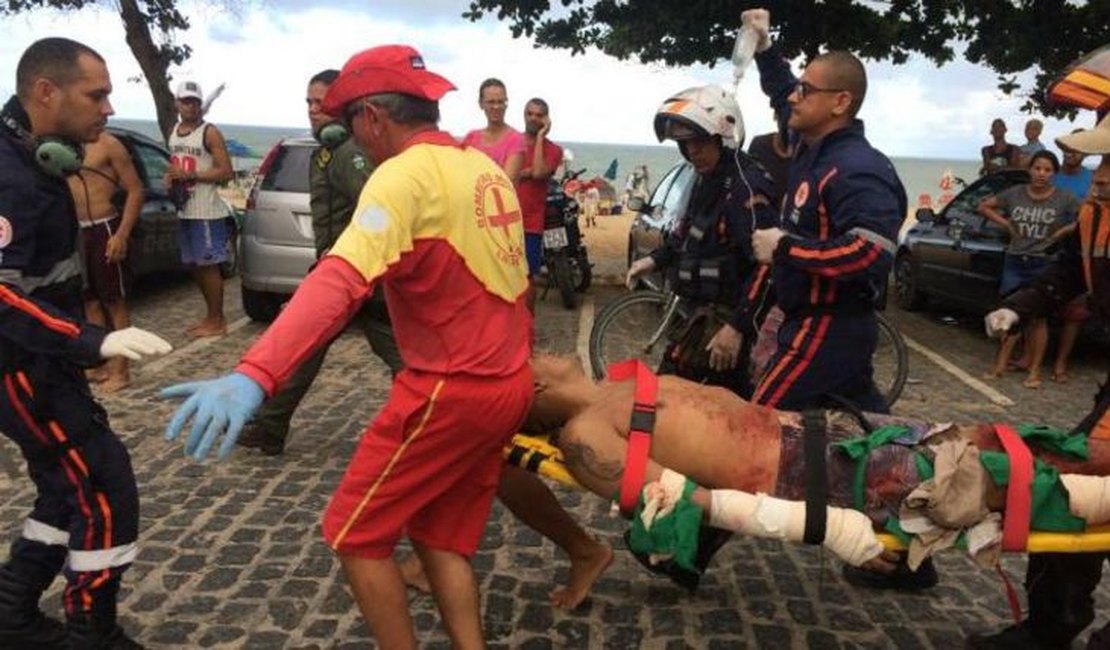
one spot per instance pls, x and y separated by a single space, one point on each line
717 460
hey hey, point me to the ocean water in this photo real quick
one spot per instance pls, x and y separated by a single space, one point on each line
922 177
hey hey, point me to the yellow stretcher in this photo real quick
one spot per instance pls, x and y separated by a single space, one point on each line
536 454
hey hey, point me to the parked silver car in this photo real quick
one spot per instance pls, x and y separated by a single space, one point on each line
656 218
276 246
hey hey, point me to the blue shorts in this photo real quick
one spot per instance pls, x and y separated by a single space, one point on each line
533 250
1020 270
203 242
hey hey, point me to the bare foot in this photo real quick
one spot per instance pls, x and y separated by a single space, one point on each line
412 572
1032 383
992 374
206 328
584 572
114 384
1060 377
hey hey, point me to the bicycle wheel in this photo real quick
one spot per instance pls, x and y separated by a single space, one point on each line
890 361
634 326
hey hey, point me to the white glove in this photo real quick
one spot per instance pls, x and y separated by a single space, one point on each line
1000 321
133 343
760 21
764 243
642 266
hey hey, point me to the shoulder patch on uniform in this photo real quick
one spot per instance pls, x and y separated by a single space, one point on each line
801 195
6 234
373 218
359 161
323 157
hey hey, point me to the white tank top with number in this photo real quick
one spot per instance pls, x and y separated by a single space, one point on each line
189 153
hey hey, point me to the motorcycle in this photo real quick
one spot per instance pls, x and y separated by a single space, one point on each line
564 254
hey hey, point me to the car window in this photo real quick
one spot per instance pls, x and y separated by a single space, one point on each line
289 170
677 196
664 185
151 164
965 207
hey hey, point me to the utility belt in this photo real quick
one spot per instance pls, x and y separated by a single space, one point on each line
687 350
713 279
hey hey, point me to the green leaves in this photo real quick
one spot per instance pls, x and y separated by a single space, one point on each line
1011 37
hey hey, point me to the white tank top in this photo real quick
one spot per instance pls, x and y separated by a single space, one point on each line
188 152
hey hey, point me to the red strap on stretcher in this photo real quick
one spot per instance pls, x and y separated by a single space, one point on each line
1019 490
1019 504
642 426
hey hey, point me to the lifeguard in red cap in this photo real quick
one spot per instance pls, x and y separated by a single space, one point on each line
440 228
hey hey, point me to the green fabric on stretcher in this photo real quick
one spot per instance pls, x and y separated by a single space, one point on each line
675 534
1049 500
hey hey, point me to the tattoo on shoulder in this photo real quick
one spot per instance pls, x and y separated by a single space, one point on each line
580 457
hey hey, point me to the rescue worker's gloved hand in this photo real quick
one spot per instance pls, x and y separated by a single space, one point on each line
640 267
133 343
764 243
1000 321
760 21
216 405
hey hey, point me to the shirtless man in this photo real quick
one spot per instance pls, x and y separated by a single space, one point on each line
107 184
718 440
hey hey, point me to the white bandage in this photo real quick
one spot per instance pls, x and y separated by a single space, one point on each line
848 532
1088 497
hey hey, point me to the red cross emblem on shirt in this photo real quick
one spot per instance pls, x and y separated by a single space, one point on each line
502 218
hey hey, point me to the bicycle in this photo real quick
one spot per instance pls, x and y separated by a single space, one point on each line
620 328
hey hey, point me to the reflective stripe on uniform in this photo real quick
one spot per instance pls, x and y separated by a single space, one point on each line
874 238
36 531
103 559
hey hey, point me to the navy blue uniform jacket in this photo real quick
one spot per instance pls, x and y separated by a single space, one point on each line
841 211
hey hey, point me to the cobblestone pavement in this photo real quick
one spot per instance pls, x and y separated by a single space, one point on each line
232 556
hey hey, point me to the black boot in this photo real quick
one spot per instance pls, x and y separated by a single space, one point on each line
23 626
901 579
98 631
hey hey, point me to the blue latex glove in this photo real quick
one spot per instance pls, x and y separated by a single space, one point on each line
215 405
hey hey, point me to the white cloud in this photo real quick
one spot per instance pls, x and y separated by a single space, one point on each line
265 56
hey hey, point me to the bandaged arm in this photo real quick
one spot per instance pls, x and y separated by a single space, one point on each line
1088 497
848 532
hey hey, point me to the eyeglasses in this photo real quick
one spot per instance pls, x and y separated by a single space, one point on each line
804 88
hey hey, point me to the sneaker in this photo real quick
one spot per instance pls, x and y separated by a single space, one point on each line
902 579
255 437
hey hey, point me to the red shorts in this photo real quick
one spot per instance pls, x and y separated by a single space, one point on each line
428 465
106 281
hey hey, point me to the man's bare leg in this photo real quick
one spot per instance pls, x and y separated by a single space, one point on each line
456 594
382 599
94 313
533 503
119 369
1069 332
1002 359
211 285
1036 344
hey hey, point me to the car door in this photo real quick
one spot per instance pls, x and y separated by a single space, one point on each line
153 245
982 246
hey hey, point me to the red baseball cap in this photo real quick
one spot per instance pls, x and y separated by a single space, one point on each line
384 69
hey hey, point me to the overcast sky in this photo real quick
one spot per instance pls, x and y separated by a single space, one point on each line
266 53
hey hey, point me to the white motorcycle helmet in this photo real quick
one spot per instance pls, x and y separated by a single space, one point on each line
699 112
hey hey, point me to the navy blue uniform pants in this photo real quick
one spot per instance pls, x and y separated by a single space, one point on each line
86 512
820 355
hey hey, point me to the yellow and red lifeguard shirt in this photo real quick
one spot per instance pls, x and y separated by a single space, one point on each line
440 227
